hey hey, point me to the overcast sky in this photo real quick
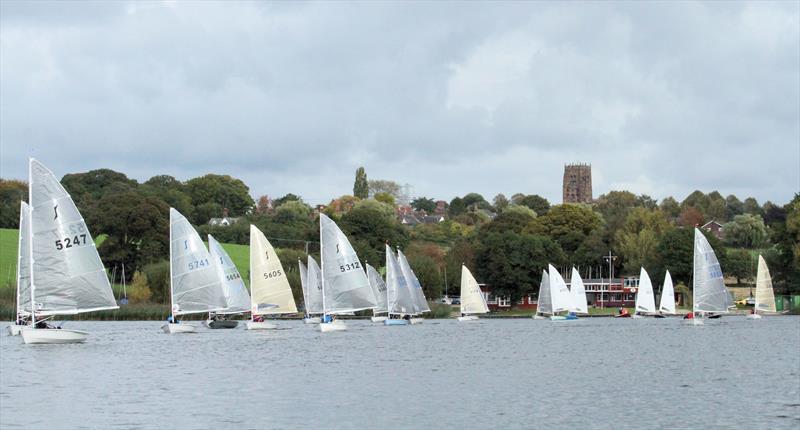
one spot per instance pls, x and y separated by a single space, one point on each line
661 98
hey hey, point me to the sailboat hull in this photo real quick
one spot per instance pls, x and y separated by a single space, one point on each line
14 329
659 316
312 320
336 325
52 335
378 319
260 325
218 324
539 317
417 320
178 328
753 316
395 322
468 318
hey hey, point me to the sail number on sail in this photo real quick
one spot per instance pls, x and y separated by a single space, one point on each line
273 274
349 266
198 264
69 242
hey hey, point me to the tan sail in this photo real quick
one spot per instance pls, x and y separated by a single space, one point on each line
269 289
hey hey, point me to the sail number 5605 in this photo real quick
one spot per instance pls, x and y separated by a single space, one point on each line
273 274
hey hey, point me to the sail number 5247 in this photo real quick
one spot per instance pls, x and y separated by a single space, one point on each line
69 242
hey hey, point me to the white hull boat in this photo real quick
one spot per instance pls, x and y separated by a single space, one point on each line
753 316
378 319
14 329
539 317
468 318
312 320
52 335
417 320
178 328
335 325
637 316
261 325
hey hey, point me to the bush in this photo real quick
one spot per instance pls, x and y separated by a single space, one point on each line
157 276
439 310
139 291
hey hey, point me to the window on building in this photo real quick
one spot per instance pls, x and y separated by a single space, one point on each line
503 301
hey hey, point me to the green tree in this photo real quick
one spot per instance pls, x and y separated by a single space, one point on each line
739 264
733 207
158 279
361 186
510 220
676 252
292 211
456 207
428 272
614 208
137 228
567 224
670 207
205 211
476 201
386 198
87 188
638 238
287 198
691 217
698 200
751 206
462 252
520 210
171 191
370 225
746 230
384 186
784 258
424 204
11 193
225 191
500 202
537 203
511 263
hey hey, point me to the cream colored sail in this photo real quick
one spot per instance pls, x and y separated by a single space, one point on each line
765 297
472 301
269 289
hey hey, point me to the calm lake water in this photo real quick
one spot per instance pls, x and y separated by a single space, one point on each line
501 373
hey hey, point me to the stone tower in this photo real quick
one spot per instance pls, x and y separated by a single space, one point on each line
577 185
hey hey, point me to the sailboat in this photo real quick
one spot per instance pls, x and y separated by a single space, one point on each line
237 298
345 287
66 275
578 292
23 297
270 290
645 298
379 289
765 297
710 294
399 301
555 297
420 302
195 285
667 304
472 300
312 293
544 305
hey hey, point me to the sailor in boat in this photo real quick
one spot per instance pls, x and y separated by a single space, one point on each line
43 324
172 320
689 316
258 318
622 312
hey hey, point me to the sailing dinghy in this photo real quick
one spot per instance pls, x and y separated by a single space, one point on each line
400 303
710 294
379 289
765 297
237 298
270 290
667 304
578 293
472 300
195 285
66 276
345 287
645 299
420 302
544 306
312 293
23 300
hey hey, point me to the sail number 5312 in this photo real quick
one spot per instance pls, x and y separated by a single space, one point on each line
350 266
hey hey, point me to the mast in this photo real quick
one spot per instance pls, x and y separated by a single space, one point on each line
171 293
30 241
322 268
19 261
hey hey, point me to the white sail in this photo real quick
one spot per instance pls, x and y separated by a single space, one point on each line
313 293
578 293
559 293
667 304
345 287
269 288
544 305
645 298
398 294
472 301
710 294
378 288
765 297
303 282
420 302
67 276
196 286
237 298
23 263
